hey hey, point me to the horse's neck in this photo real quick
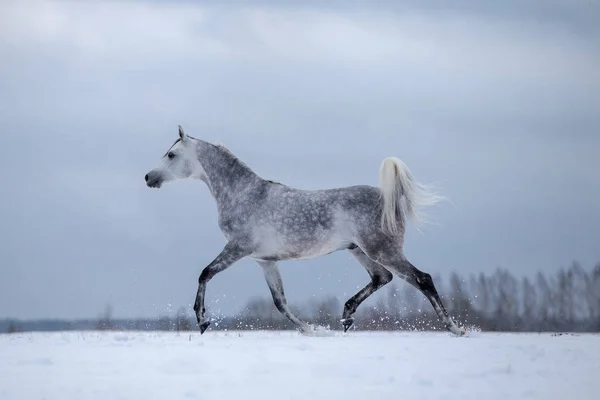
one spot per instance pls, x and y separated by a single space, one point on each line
227 175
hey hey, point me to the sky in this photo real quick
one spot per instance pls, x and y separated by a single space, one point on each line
496 104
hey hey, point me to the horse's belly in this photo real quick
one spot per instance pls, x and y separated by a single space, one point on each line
278 250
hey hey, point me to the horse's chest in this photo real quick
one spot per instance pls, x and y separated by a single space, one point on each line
231 225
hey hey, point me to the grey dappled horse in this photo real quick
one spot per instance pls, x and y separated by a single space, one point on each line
271 222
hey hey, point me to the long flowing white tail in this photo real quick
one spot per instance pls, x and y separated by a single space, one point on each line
402 195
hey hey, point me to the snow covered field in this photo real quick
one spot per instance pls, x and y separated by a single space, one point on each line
285 365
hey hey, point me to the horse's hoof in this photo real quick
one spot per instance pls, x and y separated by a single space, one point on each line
347 323
204 326
455 330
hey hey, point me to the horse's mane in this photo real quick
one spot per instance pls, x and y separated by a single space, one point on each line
232 160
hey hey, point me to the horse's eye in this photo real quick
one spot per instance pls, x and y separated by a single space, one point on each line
171 155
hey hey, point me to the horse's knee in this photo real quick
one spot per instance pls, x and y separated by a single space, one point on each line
424 281
382 278
207 274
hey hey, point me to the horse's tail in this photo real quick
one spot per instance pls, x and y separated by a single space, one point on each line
401 195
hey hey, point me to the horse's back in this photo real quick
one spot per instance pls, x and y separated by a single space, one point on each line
294 223
324 204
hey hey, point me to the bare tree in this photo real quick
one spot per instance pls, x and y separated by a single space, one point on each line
326 311
12 327
459 302
594 296
105 322
182 321
529 296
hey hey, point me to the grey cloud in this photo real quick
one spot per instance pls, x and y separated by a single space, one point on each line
502 112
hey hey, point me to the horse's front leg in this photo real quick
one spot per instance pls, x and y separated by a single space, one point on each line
273 278
231 253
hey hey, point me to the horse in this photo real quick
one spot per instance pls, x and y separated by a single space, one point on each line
270 222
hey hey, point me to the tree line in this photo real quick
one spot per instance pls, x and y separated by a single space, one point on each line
567 300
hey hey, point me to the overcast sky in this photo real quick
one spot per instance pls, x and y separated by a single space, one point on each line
496 104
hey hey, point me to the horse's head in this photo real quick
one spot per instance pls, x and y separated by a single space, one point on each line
179 162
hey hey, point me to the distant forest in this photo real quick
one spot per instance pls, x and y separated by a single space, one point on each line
568 300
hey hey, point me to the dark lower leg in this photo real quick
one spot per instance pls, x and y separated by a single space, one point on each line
379 278
230 254
424 282
352 304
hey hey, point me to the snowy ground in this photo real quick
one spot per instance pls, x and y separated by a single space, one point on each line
285 365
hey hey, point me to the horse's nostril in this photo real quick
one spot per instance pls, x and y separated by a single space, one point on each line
146 177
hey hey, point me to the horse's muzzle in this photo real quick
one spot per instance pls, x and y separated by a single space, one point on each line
153 180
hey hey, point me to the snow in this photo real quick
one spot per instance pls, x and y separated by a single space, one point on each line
287 365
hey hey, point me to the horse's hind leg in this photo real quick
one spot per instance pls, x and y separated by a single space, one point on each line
393 260
423 281
273 278
379 278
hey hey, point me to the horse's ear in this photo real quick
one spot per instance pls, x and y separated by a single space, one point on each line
181 133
